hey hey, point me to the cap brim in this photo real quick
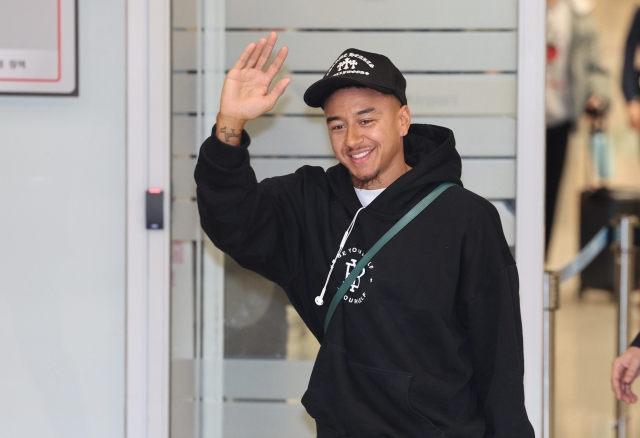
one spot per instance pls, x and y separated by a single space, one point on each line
317 93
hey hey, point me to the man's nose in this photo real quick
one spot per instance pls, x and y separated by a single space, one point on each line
353 137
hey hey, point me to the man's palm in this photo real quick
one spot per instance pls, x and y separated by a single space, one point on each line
245 95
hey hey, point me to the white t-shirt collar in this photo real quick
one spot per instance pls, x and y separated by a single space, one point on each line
366 197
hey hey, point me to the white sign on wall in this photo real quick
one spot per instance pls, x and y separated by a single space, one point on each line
38 47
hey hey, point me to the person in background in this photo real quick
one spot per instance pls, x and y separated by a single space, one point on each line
576 82
625 370
631 73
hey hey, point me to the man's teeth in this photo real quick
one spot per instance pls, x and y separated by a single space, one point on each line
361 154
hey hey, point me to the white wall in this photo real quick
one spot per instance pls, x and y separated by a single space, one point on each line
62 246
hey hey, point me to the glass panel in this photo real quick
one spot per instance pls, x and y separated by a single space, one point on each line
255 316
183 340
259 322
235 338
186 296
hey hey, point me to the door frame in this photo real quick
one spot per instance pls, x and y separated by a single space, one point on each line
530 183
148 251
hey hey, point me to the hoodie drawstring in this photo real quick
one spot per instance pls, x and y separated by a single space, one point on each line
319 300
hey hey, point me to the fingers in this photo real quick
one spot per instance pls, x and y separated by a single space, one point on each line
253 59
616 381
627 394
278 90
277 63
244 57
628 378
256 55
266 51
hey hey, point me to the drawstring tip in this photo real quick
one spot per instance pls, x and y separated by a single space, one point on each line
318 300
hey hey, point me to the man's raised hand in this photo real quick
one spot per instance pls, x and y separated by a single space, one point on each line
245 94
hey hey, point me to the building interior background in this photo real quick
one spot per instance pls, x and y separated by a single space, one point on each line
63 327
586 327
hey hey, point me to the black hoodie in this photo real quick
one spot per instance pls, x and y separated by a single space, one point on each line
428 341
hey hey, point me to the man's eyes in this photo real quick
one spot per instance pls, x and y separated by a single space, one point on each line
342 126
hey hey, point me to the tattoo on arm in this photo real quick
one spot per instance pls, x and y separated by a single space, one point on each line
230 135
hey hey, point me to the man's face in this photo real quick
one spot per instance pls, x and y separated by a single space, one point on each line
366 129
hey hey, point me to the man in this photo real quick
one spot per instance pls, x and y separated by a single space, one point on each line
576 82
625 370
427 342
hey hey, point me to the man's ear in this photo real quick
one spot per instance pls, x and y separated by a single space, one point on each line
404 119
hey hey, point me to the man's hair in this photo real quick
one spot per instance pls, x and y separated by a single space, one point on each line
346 87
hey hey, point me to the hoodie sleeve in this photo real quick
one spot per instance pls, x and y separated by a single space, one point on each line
636 341
495 330
252 222
630 86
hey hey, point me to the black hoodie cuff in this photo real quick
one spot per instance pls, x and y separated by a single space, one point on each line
223 154
636 341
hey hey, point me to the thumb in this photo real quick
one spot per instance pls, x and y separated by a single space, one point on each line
632 371
278 90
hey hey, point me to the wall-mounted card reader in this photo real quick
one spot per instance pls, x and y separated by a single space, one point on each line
155 209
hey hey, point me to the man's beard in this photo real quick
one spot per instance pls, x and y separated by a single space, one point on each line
363 183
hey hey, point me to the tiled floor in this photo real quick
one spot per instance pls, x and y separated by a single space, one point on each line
586 336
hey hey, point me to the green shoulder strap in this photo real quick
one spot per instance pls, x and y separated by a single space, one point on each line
415 211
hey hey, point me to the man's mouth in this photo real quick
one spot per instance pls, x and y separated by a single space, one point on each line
360 156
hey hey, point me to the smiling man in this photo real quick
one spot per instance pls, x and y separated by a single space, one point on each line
427 340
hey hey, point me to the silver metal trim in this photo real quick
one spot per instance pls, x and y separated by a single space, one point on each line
551 304
624 252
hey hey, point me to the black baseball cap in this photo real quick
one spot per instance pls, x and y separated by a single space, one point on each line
360 68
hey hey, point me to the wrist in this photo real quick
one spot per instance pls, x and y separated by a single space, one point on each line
230 121
229 129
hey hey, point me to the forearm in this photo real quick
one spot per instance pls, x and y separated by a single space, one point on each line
243 218
222 169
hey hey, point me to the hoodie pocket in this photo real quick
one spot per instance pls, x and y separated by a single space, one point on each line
360 401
